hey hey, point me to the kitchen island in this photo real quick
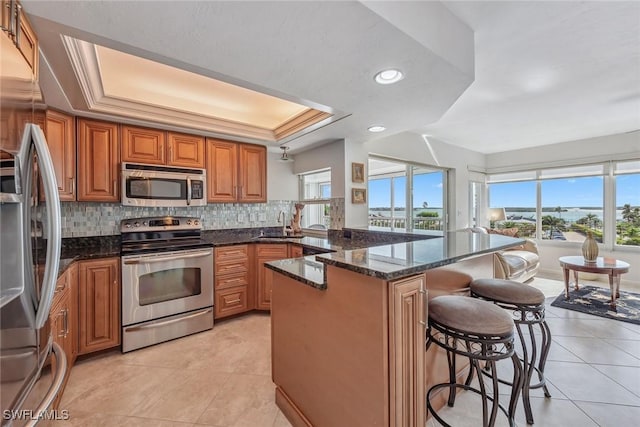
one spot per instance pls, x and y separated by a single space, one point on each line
348 328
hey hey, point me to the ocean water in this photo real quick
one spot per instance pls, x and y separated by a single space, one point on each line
570 215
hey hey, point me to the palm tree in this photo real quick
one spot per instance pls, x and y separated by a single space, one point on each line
627 214
553 223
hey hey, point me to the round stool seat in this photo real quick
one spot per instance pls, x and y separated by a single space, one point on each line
471 316
482 332
527 306
507 291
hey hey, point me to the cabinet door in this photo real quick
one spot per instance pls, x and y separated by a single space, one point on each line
61 139
26 41
407 334
253 173
266 253
99 304
222 170
185 150
98 161
5 14
140 145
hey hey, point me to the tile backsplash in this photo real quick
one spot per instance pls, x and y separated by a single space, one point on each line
81 219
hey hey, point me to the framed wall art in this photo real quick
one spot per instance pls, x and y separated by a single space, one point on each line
357 172
358 195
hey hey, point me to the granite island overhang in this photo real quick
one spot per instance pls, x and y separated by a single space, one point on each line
348 328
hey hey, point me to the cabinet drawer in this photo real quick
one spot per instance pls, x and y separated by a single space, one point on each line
231 301
231 252
241 279
231 267
275 251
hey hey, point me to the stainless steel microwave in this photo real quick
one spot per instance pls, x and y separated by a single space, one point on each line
164 186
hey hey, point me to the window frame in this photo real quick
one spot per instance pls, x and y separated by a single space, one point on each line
408 175
315 201
609 174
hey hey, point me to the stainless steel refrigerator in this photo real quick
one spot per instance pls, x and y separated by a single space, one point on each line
31 366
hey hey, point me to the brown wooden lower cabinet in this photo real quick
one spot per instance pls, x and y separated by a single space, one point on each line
99 304
63 320
232 270
266 253
364 338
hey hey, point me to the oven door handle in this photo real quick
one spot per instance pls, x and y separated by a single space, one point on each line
170 321
145 260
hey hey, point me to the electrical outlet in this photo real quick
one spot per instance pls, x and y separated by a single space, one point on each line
252 217
240 217
262 217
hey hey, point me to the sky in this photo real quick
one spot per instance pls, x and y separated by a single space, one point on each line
575 192
426 188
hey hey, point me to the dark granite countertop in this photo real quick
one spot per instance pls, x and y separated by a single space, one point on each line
366 251
392 261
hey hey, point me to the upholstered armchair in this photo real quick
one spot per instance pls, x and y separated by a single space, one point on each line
520 263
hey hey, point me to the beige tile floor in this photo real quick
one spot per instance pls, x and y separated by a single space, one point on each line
222 378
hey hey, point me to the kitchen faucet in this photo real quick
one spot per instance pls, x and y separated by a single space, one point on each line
284 224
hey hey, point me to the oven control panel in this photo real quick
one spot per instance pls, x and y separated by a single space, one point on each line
134 225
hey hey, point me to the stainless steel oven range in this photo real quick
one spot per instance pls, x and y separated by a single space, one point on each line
167 280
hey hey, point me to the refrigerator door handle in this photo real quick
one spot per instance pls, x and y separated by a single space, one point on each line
54 233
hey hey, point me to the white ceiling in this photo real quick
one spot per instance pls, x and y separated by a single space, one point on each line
538 72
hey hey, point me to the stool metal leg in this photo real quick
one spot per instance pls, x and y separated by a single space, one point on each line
451 359
546 345
528 363
494 407
515 389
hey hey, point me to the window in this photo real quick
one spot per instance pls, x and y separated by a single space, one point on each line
315 193
563 204
627 219
519 202
571 207
406 197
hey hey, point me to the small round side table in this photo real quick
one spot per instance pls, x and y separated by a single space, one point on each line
602 265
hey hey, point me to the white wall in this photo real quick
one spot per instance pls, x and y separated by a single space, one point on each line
282 183
412 147
330 155
355 215
610 147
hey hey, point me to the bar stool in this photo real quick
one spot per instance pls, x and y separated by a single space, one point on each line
526 304
482 332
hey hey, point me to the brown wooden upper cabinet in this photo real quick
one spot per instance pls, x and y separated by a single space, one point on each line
236 172
98 161
16 25
157 147
60 131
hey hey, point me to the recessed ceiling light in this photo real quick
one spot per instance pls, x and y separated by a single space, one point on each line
386 77
377 129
